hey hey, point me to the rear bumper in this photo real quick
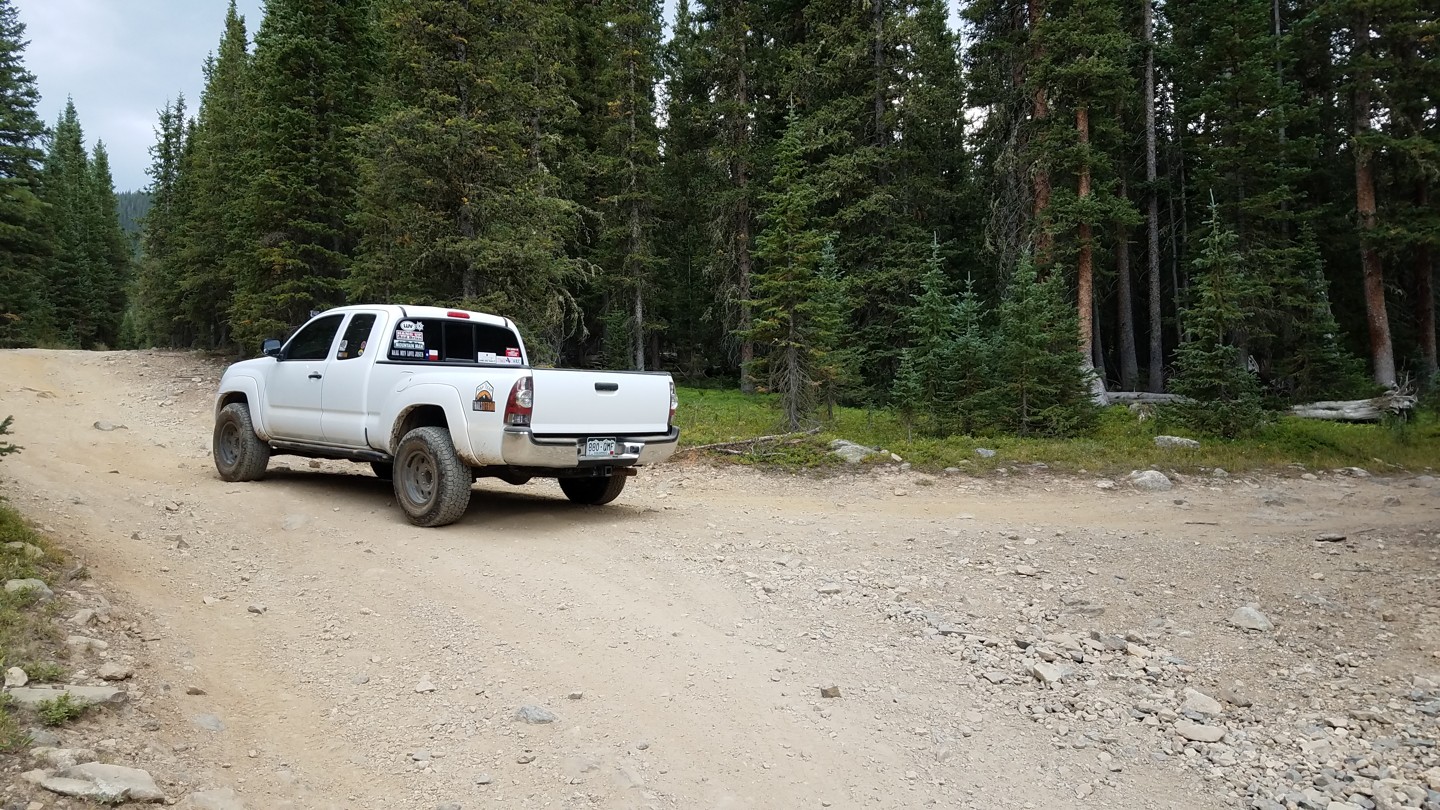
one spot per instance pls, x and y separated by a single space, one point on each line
521 448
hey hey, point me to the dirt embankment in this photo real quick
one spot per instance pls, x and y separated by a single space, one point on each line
682 637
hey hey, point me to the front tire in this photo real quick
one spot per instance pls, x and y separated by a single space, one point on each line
593 491
431 485
239 453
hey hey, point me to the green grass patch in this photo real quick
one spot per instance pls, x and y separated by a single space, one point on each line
29 638
1118 443
60 710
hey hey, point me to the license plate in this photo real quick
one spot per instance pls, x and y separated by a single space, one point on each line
599 448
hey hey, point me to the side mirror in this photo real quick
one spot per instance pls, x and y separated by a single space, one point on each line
270 348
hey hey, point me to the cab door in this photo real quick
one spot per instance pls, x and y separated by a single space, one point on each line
294 393
347 378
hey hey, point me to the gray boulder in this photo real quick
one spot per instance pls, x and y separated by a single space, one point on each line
1150 481
851 452
40 588
1176 441
106 784
1249 618
32 696
535 715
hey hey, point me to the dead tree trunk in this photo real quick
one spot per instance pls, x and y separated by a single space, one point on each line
1382 353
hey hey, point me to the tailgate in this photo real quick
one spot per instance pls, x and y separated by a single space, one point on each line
600 403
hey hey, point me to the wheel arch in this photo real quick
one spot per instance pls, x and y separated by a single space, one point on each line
244 391
432 406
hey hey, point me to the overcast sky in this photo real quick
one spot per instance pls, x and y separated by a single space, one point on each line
121 61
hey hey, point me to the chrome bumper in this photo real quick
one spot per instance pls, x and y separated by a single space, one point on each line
521 448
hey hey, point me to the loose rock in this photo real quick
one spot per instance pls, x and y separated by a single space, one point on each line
1199 732
1150 481
218 799
1196 701
15 676
1248 618
107 784
535 715
829 691
38 587
1175 441
113 671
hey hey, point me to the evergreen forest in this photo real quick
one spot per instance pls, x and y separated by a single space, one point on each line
984 215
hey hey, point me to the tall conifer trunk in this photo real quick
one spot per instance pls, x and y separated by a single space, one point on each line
1382 353
1085 265
1040 110
1125 308
743 261
1425 293
1152 212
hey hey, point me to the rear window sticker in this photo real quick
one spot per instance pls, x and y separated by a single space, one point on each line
433 354
485 357
411 326
484 397
512 352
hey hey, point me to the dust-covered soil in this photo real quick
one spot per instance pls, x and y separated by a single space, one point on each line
1018 641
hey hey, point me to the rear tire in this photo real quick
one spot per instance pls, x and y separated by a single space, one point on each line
239 453
384 470
593 491
431 484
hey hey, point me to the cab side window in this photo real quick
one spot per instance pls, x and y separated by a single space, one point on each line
355 342
313 341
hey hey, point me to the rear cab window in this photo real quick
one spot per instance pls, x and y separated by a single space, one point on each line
443 340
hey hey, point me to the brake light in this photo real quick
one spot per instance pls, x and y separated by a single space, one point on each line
521 402
674 403
464 316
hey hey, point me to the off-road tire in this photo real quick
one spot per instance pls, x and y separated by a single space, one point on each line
431 484
239 453
384 470
593 491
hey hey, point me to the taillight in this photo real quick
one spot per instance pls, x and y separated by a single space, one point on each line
674 403
521 402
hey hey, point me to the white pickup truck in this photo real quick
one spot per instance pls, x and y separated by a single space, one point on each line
433 399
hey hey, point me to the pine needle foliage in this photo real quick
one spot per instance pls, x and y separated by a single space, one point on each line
1211 372
1041 387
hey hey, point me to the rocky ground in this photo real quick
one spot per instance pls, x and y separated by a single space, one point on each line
721 637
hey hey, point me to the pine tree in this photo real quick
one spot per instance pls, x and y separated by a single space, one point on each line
1210 369
457 201
71 274
931 322
791 247
108 251
971 373
836 360
212 244
907 392
156 301
628 162
688 183
24 227
733 44
1041 387
1319 367
310 72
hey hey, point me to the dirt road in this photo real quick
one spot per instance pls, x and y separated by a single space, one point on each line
682 636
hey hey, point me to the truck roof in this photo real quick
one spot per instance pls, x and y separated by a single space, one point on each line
410 311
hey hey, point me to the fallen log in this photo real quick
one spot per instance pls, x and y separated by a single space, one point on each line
1356 410
1144 397
726 446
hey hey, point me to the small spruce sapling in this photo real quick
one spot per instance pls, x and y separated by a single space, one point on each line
1223 395
1041 387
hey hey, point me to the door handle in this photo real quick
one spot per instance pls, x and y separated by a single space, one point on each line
607 386
314 375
